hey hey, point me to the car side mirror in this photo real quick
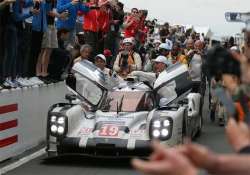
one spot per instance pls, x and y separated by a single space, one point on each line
70 97
71 81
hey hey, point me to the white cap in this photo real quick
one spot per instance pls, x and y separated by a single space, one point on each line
101 56
162 59
128 40
165 46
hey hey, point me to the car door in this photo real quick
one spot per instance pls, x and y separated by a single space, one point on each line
90 83
173 83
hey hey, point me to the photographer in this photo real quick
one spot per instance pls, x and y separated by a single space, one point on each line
128 59
111 41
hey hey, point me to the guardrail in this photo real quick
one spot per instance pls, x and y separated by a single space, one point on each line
23 117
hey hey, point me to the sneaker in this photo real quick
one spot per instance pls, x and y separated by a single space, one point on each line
5 85
28 82
36 81
22 82
17 83
45 80
8 82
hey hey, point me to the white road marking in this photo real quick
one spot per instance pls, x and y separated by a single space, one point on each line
22 161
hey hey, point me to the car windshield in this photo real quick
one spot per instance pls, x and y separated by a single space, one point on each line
122 101
88 90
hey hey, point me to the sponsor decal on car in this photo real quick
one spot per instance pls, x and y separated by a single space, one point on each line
137 133
85 131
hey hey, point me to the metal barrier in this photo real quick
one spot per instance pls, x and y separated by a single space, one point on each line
23 117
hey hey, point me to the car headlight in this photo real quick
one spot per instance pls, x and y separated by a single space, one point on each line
60 130
53 128
156 133
61 120
53 119
161 128
58 125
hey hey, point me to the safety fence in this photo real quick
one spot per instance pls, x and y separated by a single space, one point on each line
23 117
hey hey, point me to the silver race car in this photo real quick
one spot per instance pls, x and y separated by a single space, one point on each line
122 120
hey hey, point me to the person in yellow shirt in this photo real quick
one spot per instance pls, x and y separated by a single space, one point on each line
177 55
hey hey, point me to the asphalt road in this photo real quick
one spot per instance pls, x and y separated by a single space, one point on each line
212 136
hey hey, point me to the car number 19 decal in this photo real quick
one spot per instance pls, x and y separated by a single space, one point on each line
109 130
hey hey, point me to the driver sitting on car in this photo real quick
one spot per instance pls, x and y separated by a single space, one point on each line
160 64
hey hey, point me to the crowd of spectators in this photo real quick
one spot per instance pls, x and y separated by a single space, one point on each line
42 39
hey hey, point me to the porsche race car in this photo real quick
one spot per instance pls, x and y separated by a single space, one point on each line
122 121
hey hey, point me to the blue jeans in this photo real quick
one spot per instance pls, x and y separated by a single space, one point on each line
11 44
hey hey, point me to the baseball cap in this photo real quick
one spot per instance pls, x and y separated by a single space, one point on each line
101 56
165 46
162 59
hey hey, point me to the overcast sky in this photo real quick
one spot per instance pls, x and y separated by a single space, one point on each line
197 12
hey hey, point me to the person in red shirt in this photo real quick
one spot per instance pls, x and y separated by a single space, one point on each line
131 24
91 25
143 30
105 17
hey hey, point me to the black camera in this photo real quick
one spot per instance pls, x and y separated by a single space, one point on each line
220 61
124 60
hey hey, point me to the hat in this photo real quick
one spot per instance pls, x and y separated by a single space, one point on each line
128 40
165 46
101 56
107 53
169 43
162 59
